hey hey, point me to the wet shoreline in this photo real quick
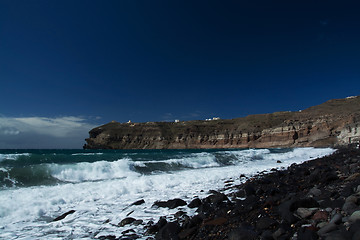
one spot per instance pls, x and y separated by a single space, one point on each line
319 199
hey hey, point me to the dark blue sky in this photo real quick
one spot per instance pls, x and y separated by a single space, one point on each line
165 60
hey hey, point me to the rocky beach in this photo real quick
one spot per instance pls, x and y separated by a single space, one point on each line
140 194
319 199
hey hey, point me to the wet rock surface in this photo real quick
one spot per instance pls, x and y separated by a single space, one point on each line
173 203
303 202
63 215
319 199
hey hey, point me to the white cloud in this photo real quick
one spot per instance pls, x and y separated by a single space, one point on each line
57 127
31 132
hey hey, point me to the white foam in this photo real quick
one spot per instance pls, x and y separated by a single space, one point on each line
195 160
25 212
85 171
86 154
244 156
12 156
299 154
267 157
200 160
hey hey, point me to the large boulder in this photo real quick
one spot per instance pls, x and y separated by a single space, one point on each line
173 203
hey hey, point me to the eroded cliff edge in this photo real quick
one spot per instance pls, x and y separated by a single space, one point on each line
332 124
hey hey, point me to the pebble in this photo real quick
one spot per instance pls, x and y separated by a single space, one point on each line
349 207
353 177
194 203
265 223
169 231
242 233
355 216
328 209
351 199
63 215
139 202
305 212
173 203
315 192
337 235
278 233
126 221
320 215
321 224
327 228
336 218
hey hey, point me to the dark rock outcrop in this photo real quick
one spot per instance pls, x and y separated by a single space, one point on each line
331 124
173 203
126 221
63 215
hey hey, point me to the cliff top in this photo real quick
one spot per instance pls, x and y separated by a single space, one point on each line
337 107
238 132
343 106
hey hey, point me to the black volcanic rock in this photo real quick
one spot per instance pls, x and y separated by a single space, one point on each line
195 203
173 203
169 231
63 215
139 202
126 221
280 214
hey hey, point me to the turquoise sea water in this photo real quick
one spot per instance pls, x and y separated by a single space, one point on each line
36 186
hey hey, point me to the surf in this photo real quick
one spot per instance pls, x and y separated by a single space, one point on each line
100 188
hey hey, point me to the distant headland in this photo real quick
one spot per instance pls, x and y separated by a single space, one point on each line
334 123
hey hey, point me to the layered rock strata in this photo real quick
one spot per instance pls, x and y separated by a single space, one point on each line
331 124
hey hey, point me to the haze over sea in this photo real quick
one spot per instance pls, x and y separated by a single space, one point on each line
36 186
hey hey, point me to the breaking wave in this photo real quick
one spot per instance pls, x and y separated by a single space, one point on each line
29 169
102 187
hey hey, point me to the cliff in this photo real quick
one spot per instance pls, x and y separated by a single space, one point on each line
332 124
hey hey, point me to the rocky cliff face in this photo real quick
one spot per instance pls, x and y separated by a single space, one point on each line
331 124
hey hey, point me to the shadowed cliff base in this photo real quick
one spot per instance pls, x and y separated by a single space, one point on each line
334 123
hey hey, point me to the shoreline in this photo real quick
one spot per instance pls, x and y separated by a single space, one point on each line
318 199
90 197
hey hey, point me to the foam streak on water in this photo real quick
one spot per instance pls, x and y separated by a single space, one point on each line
100 187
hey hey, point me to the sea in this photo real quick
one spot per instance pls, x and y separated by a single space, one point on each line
37 186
